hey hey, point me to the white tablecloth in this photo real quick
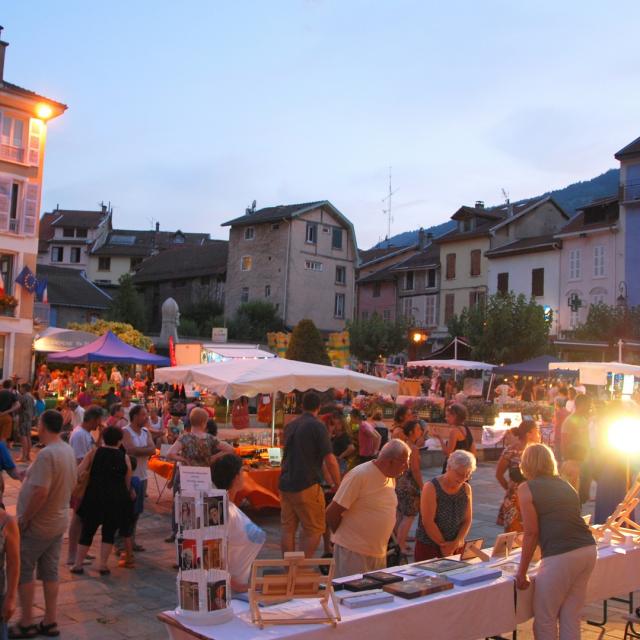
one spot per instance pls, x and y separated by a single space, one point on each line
462 613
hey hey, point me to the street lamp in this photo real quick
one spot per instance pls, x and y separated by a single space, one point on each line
622 294
44 111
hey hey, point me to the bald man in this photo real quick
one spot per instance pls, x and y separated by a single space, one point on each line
195 449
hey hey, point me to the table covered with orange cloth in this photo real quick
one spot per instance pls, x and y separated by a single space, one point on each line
260 485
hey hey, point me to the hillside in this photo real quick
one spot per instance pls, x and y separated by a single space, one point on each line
570 198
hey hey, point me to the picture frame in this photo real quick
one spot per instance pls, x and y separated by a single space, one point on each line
503 544
213 511
473 549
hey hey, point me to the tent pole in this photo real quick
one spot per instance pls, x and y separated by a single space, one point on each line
274 395
490 385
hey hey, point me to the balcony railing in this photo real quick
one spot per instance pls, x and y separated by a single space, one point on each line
41 313
11 153
631 192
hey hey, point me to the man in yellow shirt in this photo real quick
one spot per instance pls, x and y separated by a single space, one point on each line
363 512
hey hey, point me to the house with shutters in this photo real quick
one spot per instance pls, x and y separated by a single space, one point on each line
479 229
23 130
300 257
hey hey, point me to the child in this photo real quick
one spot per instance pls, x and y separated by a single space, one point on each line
175 427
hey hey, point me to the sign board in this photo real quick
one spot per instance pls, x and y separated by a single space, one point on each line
473 387
195 479
219 334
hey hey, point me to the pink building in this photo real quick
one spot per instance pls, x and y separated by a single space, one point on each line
591 261
377 293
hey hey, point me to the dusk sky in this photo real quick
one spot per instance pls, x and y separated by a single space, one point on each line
185 112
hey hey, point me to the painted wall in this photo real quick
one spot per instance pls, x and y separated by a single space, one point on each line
384 304
630 223
119 266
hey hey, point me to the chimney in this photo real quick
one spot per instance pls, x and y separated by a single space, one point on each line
157 226
3 48
429 237
421 239
479 204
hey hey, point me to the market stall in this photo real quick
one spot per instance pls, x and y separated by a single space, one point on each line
619 378
54 340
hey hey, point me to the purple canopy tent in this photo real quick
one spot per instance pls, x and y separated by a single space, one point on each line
108 348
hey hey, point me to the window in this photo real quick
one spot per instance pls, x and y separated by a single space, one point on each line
598 295
537 282
6 270
336 238
430 316
407 307
408 281
574 320
599 262
57 254
249 233
338 309
449 306
574 264
12 133
67 232
431 278
376 290
341 275
13 210
503 282
267 290
104 264
81 233
364 315
75 255
386 315
245 263
313 265
451 266
244 294
312 233
275 227
475 262
476 299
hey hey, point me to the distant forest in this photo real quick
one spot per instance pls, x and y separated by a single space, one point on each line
570 198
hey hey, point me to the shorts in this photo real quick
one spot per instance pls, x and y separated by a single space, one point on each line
40 554
24 428
6 426
304 507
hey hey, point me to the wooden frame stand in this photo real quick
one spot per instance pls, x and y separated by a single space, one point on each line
621 522
299 577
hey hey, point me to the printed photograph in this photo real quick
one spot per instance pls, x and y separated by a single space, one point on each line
213 511
212 554
189 595
216 595
187 555
187 514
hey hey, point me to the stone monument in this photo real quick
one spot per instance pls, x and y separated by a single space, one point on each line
170 321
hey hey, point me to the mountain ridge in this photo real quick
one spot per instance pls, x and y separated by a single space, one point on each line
571 198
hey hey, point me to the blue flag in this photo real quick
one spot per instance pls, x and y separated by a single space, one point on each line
27 279
41 286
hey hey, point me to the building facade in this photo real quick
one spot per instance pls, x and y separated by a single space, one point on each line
302 258
23 131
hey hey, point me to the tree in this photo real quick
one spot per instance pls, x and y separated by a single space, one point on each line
376 338
608 323
126 305
124 331
507 329
201 317
253 320
306 344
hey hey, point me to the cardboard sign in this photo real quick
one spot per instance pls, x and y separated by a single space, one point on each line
195 479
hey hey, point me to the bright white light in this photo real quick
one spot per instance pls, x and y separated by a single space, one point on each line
624 435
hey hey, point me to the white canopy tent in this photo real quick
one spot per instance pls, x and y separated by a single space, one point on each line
238 378
458 365
596 372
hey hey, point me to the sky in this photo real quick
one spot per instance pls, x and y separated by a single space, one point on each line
183 113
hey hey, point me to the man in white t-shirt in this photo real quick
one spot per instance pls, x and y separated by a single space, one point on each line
363 512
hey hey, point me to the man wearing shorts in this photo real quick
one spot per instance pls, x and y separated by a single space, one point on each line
8 405
306 449
42 518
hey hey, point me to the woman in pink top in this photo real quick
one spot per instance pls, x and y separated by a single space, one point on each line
368 441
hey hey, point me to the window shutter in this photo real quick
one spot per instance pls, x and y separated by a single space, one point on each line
449 301
30 215
451 266
475 262
503 282
537 282
33 151
5 202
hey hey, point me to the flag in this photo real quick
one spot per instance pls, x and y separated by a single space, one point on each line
3 291
41 289
27 279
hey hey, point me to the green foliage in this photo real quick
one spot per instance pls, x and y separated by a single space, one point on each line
508 329
124 331
374 337
307 345
201 317
188 328
253 320
608 323
126 305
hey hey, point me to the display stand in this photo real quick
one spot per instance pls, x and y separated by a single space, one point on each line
620 524
201 543
298 578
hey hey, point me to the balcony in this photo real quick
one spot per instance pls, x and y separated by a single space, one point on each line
41 313
631 192
11 153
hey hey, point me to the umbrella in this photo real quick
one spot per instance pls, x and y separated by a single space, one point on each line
109 348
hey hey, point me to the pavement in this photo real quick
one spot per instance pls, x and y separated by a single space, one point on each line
125 604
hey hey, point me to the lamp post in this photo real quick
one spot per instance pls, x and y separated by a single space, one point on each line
621 301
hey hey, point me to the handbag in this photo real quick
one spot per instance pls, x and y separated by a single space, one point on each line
83 480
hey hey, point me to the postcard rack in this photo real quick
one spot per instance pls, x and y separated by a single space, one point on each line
298 577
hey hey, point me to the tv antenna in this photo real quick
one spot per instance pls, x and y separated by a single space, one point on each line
387 212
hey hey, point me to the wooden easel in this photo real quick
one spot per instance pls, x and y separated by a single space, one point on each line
301 578
620 522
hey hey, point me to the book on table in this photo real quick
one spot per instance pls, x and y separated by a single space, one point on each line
419 587
383 577
361 584
442 565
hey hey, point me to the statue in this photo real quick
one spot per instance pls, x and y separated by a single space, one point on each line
170 321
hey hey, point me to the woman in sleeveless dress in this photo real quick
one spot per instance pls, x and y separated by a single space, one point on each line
460 436
446 509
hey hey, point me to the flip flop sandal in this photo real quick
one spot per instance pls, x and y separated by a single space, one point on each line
105 572
77 570
18 631
48 630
